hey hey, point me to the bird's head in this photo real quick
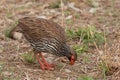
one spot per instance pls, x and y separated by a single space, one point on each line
71 55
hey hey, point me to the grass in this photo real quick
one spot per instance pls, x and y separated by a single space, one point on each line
21 8
109 19
85 78
7 73
55 4
77 15
11 77
87 36
67 12
69 21
29 57
1 67
1 48
80 48
9 15
87 59
104 69
92 3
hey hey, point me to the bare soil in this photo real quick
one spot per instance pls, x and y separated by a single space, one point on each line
104 14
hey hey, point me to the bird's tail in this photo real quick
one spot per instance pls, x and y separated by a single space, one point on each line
13 30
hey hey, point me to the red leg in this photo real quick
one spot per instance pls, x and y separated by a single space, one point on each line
38 59
47 65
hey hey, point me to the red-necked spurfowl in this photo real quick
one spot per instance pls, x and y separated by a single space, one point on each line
46 36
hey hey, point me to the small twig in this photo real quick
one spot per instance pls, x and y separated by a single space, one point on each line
94 41
27 77
62 67
105 46
80 39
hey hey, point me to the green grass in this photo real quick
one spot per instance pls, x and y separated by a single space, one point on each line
87 35
2 64
92 3
7 73
11 77
55 4
104 69
80 48
69 21
77 15
86 58
9 15
29 57
67 12
21 7
86 78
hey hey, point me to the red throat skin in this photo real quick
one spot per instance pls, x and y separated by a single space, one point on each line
72 60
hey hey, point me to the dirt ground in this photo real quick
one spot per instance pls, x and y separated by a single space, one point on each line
103 14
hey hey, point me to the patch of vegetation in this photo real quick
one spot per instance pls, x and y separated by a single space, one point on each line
69 21
66 13
20 7
9 15
10 74
92 3
55 4
85 78
104 69
1 67
29 57
87 36
77 15
11 77
87 59
8 30
7 73
80 48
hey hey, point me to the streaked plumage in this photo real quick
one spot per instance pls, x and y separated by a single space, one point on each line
46 36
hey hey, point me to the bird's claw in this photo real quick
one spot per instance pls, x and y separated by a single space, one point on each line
48 66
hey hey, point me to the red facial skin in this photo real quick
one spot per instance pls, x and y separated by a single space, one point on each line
72 60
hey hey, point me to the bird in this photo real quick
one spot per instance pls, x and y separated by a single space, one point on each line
46 36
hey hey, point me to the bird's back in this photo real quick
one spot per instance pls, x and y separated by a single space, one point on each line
44 35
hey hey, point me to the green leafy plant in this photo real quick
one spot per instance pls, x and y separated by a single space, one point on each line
29 57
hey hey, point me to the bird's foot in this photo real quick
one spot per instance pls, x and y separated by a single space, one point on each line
49 66
44 64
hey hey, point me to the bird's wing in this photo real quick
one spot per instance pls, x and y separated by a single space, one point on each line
37 28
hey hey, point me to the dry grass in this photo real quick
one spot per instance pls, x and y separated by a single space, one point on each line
97 63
